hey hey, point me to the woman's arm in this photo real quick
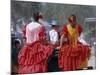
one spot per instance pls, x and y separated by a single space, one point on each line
61 41
63 33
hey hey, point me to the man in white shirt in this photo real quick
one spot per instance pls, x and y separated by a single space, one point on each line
53 33
54 40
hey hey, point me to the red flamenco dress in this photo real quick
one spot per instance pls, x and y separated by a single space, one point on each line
33 56
73 55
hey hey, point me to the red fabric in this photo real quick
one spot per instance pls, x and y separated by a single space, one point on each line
79 28
42 33
65 30
33 58
69 57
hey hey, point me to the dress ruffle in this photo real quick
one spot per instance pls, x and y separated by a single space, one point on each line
70 58
33 58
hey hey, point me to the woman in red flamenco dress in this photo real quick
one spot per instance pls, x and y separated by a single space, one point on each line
73 54
33 56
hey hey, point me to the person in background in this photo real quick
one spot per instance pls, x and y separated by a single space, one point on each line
73 55
14 54
54 41
53 34
33 56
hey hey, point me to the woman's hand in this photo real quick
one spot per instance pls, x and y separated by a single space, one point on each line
59 47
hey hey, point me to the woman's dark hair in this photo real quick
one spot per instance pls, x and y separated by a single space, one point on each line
54 26
74 18
16 42
36 16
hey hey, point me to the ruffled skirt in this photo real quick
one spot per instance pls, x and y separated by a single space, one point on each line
33 58
71 58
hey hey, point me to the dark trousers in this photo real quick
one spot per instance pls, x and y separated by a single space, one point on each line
53 62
